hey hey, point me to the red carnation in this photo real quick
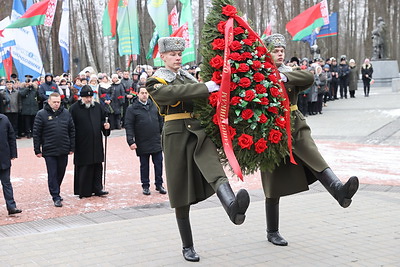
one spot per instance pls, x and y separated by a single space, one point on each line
217 62
260 89
218 44
245 141
235 100
245 82
275 92
76 97
280 122
268 65
120 97
247 42
213 99
232 132
235 56
258 77
221 26
273 110
262 118
233 86
261 51
273 78
246 55
247 114
256 65
260 145
252 37
235 45
238 30
264 101
243 67
233 70
274 136
62 97
215 119
249 95
217 77
103 95
229 10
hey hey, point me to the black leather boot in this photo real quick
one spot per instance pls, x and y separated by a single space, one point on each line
341 192
187 240
235 206
272 213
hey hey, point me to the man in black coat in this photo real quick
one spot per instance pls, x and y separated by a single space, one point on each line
54 140
8 152
143 126
89 120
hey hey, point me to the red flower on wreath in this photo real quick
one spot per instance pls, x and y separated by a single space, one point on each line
274 136
245 141
249 95
260 89
235 100
258 77
247 114
262 118
260 145
215 119
244 82
273 78
233 86
217 77
235 56
238 30
273 110
217 62
246 55
256 65
247 42
264 101
261 51
243 67
221 26
218 44
229 10
213 99
268 65
280 122
233 70
275 92
232 132
252 37
235 45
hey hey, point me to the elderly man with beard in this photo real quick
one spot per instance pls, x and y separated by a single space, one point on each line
89 120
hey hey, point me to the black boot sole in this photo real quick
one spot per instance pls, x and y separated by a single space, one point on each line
351 187
243 202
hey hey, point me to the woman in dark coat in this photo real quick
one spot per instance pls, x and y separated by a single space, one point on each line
366 74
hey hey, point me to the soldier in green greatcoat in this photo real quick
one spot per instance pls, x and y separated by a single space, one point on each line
288 178
193 168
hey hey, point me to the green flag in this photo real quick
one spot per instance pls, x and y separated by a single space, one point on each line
128 29
189 54
159 14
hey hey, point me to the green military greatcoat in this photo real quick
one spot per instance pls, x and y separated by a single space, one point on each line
287 178
193 169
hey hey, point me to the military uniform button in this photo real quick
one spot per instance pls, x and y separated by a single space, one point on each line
189 126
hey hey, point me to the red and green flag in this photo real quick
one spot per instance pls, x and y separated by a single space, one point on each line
304 23
38 14
110 18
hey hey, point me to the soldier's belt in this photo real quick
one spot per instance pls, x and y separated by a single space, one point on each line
180 116
293 107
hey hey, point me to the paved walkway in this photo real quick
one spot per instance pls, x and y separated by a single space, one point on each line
320 233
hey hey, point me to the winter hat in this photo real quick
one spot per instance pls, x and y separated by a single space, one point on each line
167 44
93 77
114 76
326 66
352 61
275 40
86 91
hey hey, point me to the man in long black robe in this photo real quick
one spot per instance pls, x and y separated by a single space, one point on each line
89 120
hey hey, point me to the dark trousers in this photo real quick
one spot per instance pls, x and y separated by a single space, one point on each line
13 118
28 122
115 121
87 179
319 103
343 87
7 189
55 174
366 87
302 103
333 88
157 159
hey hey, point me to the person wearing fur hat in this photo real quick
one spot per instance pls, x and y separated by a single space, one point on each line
90 123
193 168
287 178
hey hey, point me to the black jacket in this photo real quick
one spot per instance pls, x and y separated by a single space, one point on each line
53 132
29 103
143 126
8 144
89 126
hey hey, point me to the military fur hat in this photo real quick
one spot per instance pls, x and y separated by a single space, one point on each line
167 44
275 40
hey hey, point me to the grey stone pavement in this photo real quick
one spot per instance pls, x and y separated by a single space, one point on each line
319 231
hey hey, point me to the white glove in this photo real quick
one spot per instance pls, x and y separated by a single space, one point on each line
283 78
212 86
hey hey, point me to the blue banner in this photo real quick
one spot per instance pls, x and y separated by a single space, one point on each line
330 29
